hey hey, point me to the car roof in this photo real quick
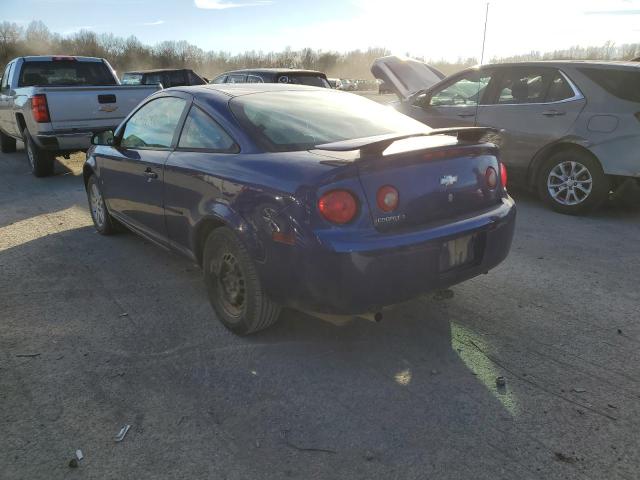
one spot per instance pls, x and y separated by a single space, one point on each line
239 89
48 58
563 63
273 70
158 70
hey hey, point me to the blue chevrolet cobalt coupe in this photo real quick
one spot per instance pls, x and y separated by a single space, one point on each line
302 197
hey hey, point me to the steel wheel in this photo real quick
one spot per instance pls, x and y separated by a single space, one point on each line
231 284
97 205
570 183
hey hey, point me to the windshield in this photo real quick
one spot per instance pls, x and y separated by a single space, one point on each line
65 73
301 79
132 79
300 120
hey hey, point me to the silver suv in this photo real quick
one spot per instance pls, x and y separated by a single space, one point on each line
571 128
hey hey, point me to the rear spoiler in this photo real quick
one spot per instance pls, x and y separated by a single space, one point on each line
377 144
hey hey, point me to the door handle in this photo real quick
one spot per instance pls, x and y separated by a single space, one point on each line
150 173
466 114
553 113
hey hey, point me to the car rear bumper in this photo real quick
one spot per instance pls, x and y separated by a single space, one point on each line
364 273
66 141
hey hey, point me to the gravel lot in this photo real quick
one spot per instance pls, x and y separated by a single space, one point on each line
98 332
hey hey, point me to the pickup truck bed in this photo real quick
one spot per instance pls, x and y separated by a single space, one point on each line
56 104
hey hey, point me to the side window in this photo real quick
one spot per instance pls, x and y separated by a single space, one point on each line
219 79
254 79
154 79
4 84
236 79
201 132
621 83
464 92
559 89
154 125
519 86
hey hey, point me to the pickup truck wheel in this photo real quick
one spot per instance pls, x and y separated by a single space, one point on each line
105 224
7 143
572 182
41 161
234 289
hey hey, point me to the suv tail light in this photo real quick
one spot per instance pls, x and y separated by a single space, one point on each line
387 198
338 206
503 175
39 108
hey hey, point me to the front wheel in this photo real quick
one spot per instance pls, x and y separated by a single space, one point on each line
572 182
41 161
234 289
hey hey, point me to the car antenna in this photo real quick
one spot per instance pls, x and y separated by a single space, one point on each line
484 39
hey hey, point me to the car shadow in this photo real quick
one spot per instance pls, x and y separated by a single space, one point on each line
128 331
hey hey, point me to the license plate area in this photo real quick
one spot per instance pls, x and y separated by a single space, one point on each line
459 252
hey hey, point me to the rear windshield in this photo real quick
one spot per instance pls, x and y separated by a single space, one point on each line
132 79
302 79
290 121
64 73
624 84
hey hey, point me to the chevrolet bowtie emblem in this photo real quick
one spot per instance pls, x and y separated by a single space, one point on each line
448 180
108 108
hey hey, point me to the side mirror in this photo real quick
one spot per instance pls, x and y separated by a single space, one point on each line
103 138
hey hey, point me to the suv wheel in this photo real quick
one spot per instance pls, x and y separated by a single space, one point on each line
572 182
234 289
7 143
41 161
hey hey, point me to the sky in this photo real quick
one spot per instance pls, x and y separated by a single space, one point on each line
433 29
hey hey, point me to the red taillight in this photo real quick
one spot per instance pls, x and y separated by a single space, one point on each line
503 175
39 108
491 177
338 206
387 198
63 58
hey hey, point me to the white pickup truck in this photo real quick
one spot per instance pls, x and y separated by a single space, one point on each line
55 104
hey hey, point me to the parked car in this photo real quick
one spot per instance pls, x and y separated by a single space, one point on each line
54 104
571 128
304 197
275 75
335 83
167 77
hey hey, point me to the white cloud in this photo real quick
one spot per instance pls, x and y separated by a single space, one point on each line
223 5
151 24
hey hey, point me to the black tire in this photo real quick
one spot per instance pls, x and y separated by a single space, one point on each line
233 285
104 223
41 161
572 182
7 143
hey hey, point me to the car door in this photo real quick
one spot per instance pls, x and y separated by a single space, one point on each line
535 106
132 171
194 174
453 103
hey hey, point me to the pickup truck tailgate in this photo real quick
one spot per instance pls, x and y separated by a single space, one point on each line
88 108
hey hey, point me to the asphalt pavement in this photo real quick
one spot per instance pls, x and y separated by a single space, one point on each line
99 332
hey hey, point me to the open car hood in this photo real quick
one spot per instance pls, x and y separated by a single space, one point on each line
405 76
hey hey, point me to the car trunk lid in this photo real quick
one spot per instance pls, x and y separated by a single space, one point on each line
437 177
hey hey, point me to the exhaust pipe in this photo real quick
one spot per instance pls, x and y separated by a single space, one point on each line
340 320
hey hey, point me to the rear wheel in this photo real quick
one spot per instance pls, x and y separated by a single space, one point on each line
40 160
234 289
105 224
572 182
7 143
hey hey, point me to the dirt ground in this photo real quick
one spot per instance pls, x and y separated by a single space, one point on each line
97 332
